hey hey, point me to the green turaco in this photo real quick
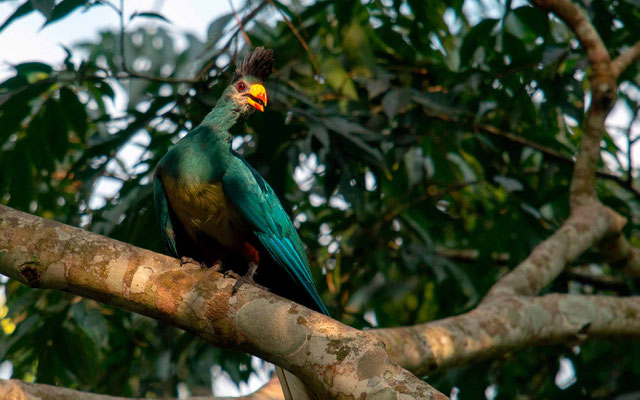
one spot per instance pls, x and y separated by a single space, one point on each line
214 208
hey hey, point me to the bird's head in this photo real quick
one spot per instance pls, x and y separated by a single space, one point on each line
246 90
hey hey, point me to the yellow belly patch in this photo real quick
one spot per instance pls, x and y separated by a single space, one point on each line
203 208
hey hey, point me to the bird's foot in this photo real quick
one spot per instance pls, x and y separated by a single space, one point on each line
189 260
230 274
247 278
217 266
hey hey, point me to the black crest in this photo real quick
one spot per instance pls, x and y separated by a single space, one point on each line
258 63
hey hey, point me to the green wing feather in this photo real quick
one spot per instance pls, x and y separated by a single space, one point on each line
258 203
163 216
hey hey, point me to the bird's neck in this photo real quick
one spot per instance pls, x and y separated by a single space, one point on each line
223 117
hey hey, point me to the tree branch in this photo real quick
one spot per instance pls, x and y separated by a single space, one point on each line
321 351
332 359
625 59
603 95
603 80
586 227
622 255
509 324
549 152
17 389
584 30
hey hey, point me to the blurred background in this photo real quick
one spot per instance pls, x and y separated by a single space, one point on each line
423 148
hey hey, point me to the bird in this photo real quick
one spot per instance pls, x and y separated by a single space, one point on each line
214 208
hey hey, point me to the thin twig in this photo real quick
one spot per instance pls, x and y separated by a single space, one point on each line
122 31
205 70
240 24
547 151
599 282
126 72
299 37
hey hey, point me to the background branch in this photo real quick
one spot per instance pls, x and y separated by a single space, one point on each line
625 59
509 324
603 96
586 227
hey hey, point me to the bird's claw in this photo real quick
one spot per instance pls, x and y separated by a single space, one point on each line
189 260
230 274
245 279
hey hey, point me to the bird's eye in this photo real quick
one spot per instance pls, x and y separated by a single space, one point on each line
241 86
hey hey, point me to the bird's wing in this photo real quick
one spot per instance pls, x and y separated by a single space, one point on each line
163 215
258 203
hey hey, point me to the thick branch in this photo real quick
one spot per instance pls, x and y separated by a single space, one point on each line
586 227
20 390
510 324
47 254
334 360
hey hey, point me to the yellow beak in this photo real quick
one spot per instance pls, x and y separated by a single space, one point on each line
257 97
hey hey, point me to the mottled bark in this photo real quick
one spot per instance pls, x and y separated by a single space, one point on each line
585 228
47 254
334 360
19 390
509 324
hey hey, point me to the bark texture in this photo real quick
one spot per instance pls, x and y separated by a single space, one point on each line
333 359
19 390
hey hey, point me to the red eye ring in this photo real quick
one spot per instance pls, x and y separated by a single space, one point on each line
241 86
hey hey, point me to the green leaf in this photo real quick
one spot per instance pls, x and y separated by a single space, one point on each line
394 101
149 14
30 67
376 87
21 175
337 77
76 112
216 28
78 353
63 9
44 6
479 36
15 106
37 137
57 129
347 129
534 19
509 184
21 11
320 133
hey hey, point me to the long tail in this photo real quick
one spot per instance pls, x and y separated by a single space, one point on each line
292 386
